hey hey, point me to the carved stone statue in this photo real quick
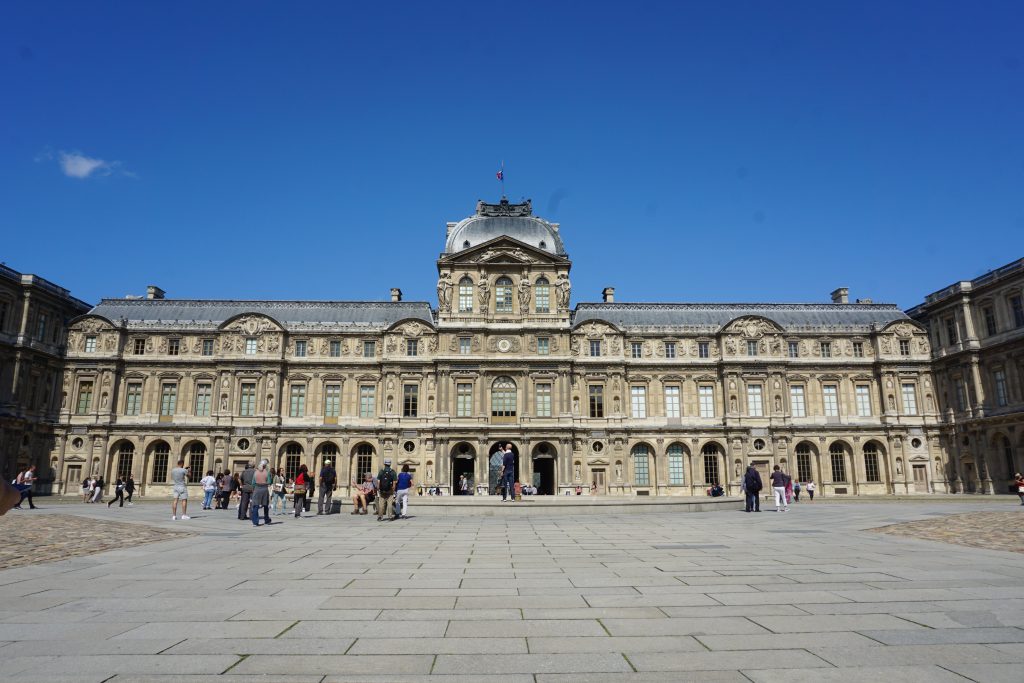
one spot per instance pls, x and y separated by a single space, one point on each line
430 404
618 471
578 473
563 288
732 404
391 404
270 403
524 294
224 402
444 292
778 404
575 404
483 293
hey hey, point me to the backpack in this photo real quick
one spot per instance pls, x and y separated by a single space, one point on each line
386 480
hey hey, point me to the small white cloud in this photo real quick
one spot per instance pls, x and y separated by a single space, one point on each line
77 165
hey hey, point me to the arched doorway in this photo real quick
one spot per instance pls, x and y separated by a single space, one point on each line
494 464
463 460
544 460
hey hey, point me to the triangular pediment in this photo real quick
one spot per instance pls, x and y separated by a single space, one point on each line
502 250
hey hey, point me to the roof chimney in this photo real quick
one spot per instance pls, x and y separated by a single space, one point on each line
608 295
396 294
841 296
154 292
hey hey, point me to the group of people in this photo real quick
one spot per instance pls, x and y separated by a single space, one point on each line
784 489
124 490
24 483
389 491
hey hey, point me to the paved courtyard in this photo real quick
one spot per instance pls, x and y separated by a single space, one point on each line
809 595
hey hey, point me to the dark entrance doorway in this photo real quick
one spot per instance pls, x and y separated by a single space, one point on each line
544 475
494 465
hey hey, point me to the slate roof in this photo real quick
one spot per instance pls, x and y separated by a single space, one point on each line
528 229
711 317
293 315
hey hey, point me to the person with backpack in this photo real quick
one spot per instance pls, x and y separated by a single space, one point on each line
402 496
262 480
299 489
385 482
752 486
24 483
779 482
118 493
328 482
243 503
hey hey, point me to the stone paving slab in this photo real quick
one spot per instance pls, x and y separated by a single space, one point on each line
988 530
889 674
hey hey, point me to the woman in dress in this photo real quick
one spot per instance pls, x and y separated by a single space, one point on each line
300 489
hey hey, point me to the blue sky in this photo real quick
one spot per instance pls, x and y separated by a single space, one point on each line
692 151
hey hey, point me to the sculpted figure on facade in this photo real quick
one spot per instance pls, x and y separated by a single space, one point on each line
444 292
524 294
483 293
563 289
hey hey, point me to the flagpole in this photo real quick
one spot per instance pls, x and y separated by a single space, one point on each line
503 179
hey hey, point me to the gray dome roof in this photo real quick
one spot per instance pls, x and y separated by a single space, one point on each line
495 220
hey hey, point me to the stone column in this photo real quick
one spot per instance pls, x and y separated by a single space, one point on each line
60 483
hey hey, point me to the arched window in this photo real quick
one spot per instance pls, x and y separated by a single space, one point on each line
542 295
125 456
710 453
161 457
503 295
292 460
329 451
871 471
641 465
196 460
675 465
803 463
503 398
837 457
466 295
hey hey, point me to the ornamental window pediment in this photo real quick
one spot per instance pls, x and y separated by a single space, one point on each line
752 327
252 324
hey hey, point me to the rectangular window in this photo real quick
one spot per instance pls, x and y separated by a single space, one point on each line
332 400
367 401
543 346
161 457
595 347
904 347
90 344
961 394
909 399
247 404
300 349
465 345
794 349
41 329
636 349
670 349
863 392
297 401
195 466
133 399
410 400
464 399
858 349
369 349
751 347
871 472
803 464
173 347
951 334
465 295
1017 307
703 350
412 347
207 347
672 402
638 401
204 394
711 469
542 295
797 406
503 295
84 398
543 399
838 462
335 348
250 346
596 400
826 349
140 347
168 399
754 406
990 320
706 394
675 465
1000 377
830 396
640 466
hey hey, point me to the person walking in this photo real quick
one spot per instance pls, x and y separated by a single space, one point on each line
779 481
97 491
278 491
118 493
129 488
402 495
246 479
1018 480
752 486
87 490
262 480
810 490
508 474
796 491
209 483
24 483
299 490
328 480
385 483
179 491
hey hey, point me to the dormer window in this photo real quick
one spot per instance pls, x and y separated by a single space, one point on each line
543 244
465 245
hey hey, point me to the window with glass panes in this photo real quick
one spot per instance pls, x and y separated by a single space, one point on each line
641 466
125 458
830 398
503 295
543 346
672 402
250 346
332 400
161 458
173 347
636 349
703 349
990 320
543 399
751 347
41 328
858 349
465 295
837 456
364 461
803 463
247 400
465 345
951 333
196 459
90 344
84 398
335 348
904 347
412 347
909 399
168 399
204 393
710 464
706 397
595 347
863 394
133 399
797 407
297 400
794 349
755 408
410 400
503 397
300 349
464 399
1000 380
871 471
826 349
369 349
140 347
292 460
207 347
542 296
596 394
638 401
675 465
367 401
1017 308
961 394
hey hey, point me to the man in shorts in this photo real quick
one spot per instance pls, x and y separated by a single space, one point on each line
179 477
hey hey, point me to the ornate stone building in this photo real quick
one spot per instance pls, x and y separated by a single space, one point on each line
624 398
33 317
977 332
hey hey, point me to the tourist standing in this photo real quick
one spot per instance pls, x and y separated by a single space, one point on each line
779 480
129 488
796 491
262 479
97 489
810 490
508 474
403 488
118 493
328 481
299 490
752 486
87 490
463 485
278 491
209 483
246 479
179 491
385 491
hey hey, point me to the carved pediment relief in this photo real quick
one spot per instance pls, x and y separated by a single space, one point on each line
252 325
752 327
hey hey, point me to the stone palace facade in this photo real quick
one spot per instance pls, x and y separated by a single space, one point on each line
616 398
